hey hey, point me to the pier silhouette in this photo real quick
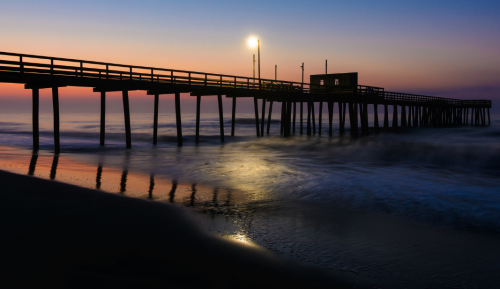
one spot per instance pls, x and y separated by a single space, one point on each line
341 89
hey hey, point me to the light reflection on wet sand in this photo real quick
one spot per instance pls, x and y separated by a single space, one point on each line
111 180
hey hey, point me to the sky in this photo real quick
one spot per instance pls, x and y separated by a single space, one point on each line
440 48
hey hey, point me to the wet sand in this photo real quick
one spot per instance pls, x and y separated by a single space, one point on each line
58 235
105 236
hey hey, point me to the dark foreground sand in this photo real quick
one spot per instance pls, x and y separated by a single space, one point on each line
56 235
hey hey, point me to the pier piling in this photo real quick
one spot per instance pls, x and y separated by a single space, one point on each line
103 118
126 113
35 118
221 118
178 118
198 108
155 120
55 106
233 117
269 116
256 108
263 117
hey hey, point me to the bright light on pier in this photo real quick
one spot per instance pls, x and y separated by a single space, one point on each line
252 42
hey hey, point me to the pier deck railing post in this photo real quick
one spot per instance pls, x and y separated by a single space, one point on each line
55 105
126 113
35 118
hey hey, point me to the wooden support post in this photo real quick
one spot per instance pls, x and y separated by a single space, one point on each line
35 119
282 119
342 109
288 112
178 122
313 118
233 117
269 116
320 117
126 113
294 114
198 110
263 117
155 120
489 119
330 118
308 118
301 118
410 116
375 118
256 108
395 117
386 116
352 113
221 118
416 115
55 106
403 116
365 118
103 118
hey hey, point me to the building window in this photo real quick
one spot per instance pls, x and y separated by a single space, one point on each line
336 82
321 82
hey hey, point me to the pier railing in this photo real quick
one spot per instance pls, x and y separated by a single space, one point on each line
55 66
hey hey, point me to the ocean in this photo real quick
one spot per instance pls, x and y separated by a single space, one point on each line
412 208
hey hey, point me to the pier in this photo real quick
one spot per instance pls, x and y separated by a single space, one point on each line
338 89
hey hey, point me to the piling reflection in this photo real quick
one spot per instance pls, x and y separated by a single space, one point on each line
172 192
192 197
53 168
98 177
31 170
210 201
123 181
151 186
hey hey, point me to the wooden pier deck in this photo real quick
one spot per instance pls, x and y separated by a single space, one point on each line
39 72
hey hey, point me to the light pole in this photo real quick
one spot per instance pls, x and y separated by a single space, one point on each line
254 69
252 42
258 52
302 75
